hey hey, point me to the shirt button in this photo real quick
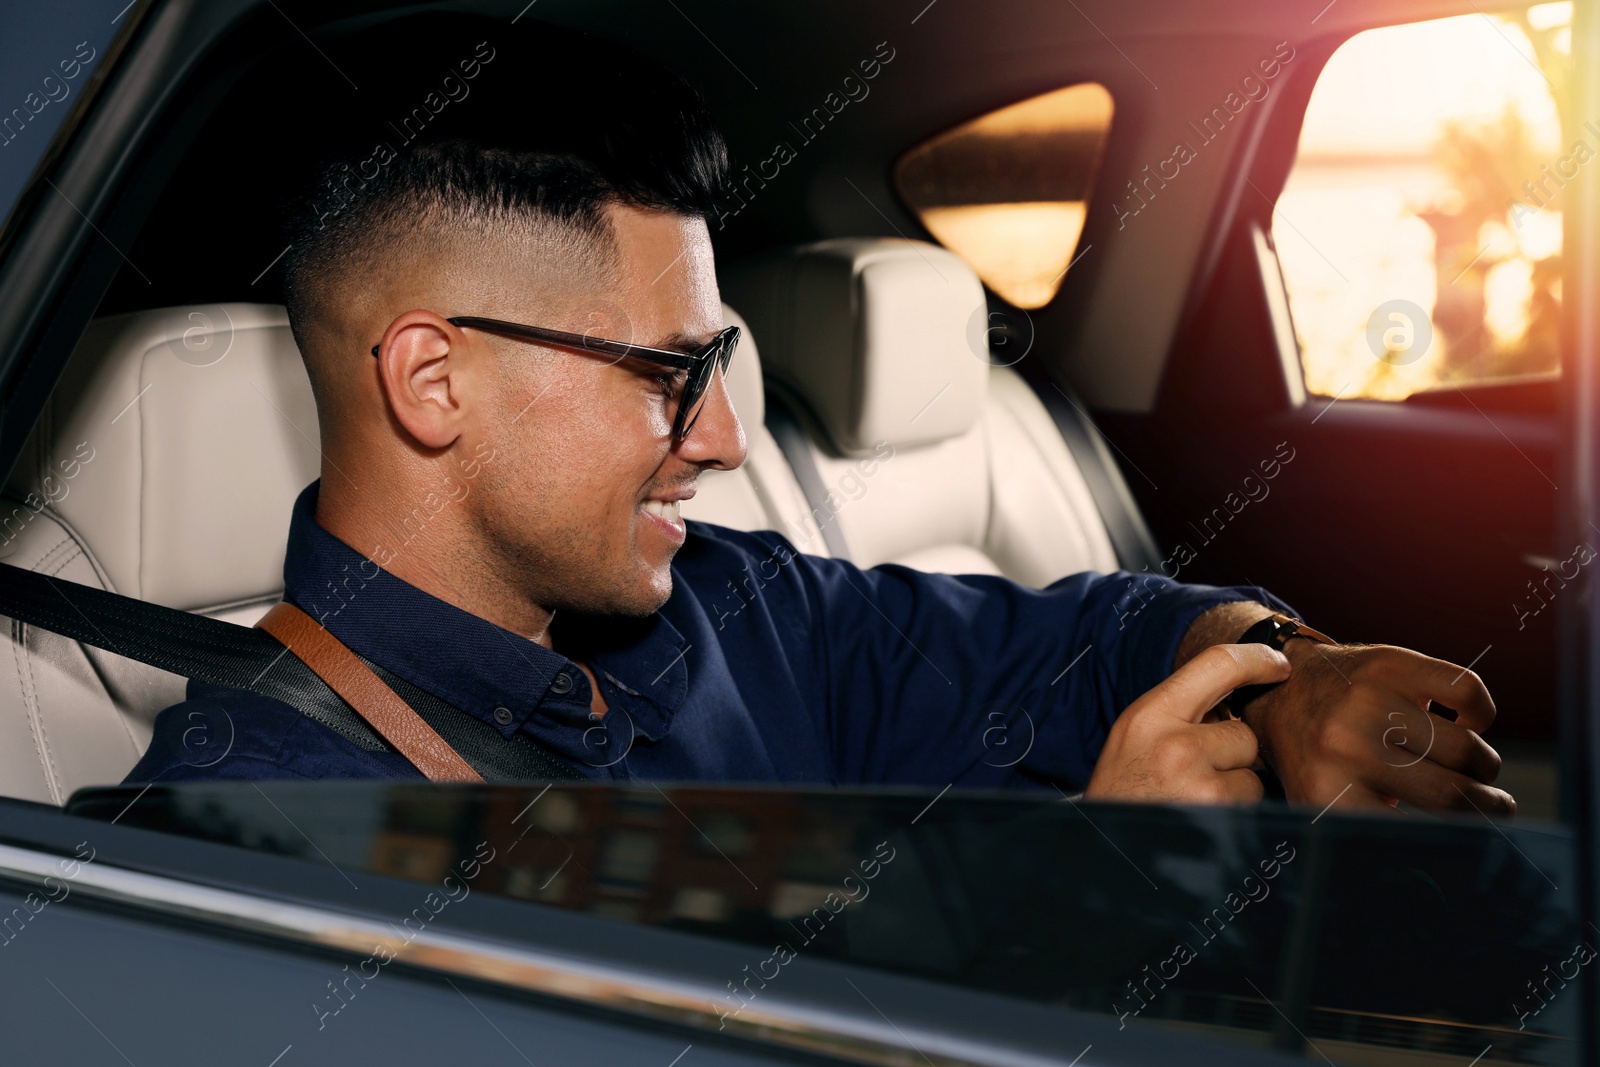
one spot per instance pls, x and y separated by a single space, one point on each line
503 716
562 684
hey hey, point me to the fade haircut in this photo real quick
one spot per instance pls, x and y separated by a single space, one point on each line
636 135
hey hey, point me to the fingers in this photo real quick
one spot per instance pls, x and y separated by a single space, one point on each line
1352 796
1163 748
1412 735
1422 678
1197 686
1229 745
1431 787
1239 787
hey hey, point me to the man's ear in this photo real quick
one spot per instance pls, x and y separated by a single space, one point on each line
421 369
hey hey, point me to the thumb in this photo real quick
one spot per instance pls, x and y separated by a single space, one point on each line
1197 686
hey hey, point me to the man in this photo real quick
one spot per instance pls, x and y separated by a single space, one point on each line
497 523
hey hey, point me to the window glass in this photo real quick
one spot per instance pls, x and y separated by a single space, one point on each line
1346 939
1008 191
1420 229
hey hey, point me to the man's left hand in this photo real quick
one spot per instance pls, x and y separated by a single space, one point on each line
1351 728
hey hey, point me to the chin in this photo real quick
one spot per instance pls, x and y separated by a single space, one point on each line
657 596
645 598
638 608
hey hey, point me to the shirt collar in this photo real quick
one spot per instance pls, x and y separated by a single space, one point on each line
468 661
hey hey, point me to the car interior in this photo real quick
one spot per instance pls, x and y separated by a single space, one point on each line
920 448
1169 330
182 498
1026 289
869 342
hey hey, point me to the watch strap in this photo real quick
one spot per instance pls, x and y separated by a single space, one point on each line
1278 630
1275 631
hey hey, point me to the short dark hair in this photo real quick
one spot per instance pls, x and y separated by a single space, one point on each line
594 128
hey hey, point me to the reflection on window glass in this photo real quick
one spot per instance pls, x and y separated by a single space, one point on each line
628 855
724 834
1344 939
1008 191
702 905
425 857
1420 229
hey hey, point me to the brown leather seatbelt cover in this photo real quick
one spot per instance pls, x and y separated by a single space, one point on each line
392 718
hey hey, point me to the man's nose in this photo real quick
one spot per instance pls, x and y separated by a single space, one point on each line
717 439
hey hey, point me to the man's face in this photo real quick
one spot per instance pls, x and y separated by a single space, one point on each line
584 462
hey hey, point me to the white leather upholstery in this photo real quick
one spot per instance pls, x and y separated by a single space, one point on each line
163 467
762 494
1043 520
980 481
203 431
874 334
70 715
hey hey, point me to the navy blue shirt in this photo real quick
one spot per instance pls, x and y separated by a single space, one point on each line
764 665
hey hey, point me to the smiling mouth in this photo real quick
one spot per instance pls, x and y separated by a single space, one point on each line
668 510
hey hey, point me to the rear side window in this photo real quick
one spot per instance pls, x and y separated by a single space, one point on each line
1420 229
1008 191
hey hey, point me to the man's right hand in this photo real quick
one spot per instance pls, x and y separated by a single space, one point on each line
1163 749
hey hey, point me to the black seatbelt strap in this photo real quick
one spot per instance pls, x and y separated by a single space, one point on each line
241 657
792 441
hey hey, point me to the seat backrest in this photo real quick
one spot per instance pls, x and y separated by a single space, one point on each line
164 467
938 460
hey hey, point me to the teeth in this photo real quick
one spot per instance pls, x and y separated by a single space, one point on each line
664 510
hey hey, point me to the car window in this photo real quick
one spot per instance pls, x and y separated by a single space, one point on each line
1420 229
47 54
1008 191
1363 939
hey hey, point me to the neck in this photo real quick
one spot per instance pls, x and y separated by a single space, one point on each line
432 546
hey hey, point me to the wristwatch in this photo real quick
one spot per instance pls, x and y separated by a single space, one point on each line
1275 631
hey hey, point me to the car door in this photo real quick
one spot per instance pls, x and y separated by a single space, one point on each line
1359 411
230 921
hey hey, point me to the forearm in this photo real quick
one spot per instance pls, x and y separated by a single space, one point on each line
1220 625
1143 627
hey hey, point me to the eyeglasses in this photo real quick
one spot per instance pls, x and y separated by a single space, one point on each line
714 354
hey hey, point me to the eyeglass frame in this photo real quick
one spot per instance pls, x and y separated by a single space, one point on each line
716 352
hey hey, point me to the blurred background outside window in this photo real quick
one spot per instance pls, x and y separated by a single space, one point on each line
1430 174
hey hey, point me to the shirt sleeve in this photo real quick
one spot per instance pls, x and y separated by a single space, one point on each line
976 680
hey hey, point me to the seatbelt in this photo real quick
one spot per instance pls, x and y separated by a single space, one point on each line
365 692
241 657
796 448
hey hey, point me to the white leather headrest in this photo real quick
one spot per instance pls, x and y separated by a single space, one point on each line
873 333
744 375
200 430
